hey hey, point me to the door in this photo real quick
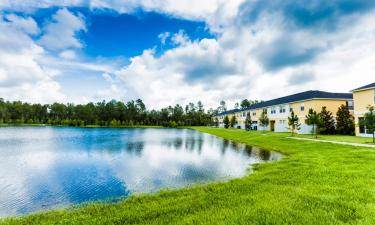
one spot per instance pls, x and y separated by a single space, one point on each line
272 125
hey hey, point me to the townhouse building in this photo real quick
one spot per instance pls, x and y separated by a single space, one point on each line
363 98
278 110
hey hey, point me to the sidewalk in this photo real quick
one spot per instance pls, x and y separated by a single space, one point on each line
334 142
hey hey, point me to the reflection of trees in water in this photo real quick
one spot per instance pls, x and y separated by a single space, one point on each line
190 144
135 147
224 146
248 150
175 143
264 154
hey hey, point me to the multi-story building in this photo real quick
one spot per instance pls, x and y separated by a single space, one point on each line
363 98
279 109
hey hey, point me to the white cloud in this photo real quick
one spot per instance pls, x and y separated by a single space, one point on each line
61 32
21 76
248 58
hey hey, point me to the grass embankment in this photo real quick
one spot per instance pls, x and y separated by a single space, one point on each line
315 183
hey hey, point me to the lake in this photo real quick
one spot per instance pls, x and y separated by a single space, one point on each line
51 167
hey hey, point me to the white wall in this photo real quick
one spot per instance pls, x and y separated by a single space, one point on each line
305 129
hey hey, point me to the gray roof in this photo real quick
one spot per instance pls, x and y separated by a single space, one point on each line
365 87
307 95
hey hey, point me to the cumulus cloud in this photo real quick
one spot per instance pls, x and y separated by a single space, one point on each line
61 32
261 49
21 76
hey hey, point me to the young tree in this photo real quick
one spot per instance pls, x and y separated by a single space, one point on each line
313 118
293 123
263 120
233 121
369 122
226 122
327 122
344 121
248 121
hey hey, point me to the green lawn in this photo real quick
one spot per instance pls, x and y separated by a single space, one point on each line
315 183
342 138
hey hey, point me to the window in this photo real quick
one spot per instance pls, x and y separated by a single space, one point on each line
374 96
290 109
282 109
302 107
362 128
254 113
273 110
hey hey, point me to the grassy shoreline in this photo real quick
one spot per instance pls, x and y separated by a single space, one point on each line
314 183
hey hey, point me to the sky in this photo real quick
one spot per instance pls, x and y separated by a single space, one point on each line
169 52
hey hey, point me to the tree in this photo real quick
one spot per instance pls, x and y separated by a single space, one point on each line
293 123
313 118
263 120
237 105
245 103
344 121
216 122
226 122
222 107
369 122
248 121
327 122
233 121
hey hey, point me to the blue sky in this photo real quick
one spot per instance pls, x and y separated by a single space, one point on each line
169 52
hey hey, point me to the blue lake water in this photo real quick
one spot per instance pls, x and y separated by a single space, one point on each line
51 167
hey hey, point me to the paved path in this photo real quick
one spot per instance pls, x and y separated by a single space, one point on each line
334 142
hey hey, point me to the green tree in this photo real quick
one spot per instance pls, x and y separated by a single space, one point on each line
222 107
293 123
313 118
233 121
248 121
263 120
216 122
369 122
344 121
327 122
226 122
245 103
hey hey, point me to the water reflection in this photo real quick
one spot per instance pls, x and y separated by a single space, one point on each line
44 167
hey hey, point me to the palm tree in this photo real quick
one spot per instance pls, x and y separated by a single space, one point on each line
313 118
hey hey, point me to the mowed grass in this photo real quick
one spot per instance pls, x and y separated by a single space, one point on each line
341 138
315 183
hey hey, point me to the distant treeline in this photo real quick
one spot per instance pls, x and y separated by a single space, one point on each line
113 113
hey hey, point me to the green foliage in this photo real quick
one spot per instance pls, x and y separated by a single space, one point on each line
226 122
113 113
344 121
313 118
293 123
313 184
233 121
369 122
248 121
327 125
263 120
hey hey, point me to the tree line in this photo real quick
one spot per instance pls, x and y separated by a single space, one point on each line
113 113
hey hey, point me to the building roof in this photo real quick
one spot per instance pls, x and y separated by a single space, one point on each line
364 87
307 95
